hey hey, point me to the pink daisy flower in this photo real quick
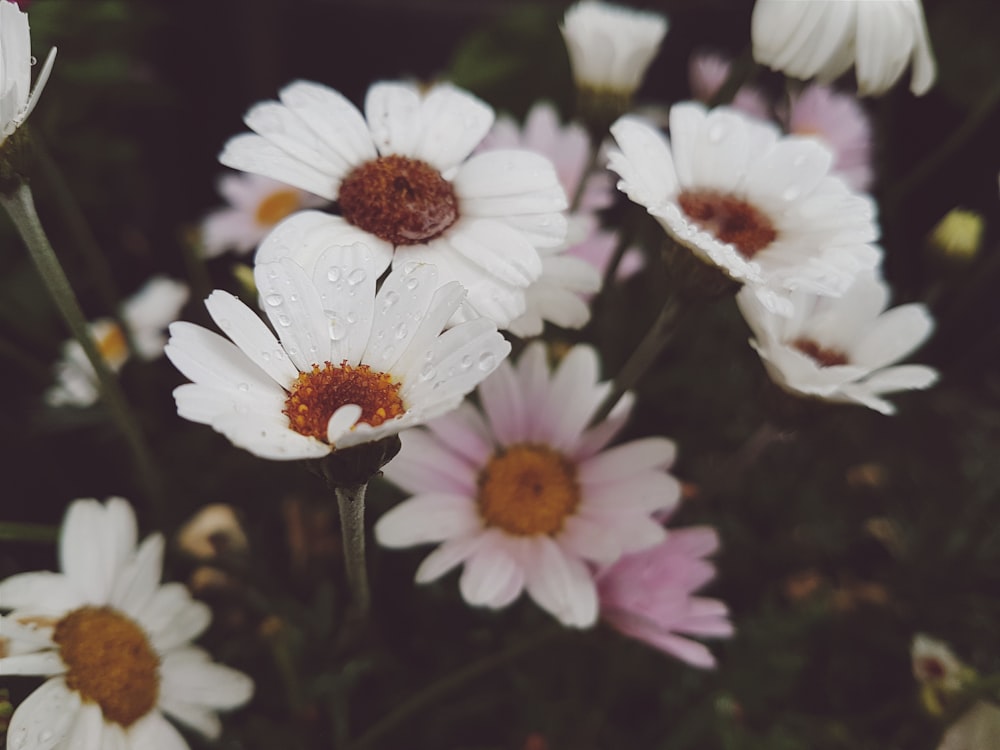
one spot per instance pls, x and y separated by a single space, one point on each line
842 124
707 73
524 494
649 596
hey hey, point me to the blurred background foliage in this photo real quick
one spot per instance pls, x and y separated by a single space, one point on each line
844 534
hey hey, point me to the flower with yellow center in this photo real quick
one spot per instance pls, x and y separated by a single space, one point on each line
256 205
525 494
761 207
349 366
113 642
405 185
841 349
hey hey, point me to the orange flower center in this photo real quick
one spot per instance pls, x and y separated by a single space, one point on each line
316 396
400 200
729 219
823 357
277 206
110 662
528 489
111 344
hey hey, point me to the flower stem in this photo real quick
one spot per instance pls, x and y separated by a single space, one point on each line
21 207
28 532
449 683
642 358
581 187
351 503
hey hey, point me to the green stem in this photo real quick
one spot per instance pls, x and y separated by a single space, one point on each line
351 503
447 684
21 207
581 187
27 532
642 358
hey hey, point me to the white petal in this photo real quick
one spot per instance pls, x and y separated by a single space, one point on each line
645 163
269 438
41 663
493 174
502 400
574 395
431 517
393 114
44 719
902 377
289 132
51 592
453 552
561 584
89 553
341 421
334 119
186 624
208 359
400 307
464 431
153 732
499 251
624 461
491 575
205 404
453 123
893 335
424 464
190 674
413 361
139 579
293 306
345 278
254 153
251 335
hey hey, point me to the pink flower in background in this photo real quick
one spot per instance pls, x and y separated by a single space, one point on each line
567 146
649 596
256 205
598 248
842 124
708 71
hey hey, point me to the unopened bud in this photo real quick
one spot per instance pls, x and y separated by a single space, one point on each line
213 531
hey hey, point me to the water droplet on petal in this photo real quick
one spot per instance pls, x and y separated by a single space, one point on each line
790 194
266 356
333 274
225 324
274 299
34 61
356 276
285 321
466 362
427 372
243 387
402 331
352 317
391 298
412 283
487 361
337 330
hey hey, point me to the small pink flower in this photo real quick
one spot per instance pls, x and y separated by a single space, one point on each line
598 247
648 596
568 147
708 71
842 124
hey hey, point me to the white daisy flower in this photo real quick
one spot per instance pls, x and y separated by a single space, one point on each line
524 494
611 46
256 205
351 366
760 206
113 642
407 187
146 313
824 38
841 349
17 99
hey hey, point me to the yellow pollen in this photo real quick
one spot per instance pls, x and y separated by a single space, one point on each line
315 397
528 489
112 344
729 219
277 206
110 662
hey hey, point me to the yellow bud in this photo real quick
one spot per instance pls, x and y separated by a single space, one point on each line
958 236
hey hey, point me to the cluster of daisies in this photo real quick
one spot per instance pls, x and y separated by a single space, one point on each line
395 244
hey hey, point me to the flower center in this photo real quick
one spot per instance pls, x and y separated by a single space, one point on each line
109 662
528 489
112 345
731 220
316 395
277 206
400 200
823 357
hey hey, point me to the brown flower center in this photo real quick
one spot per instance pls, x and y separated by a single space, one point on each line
528 489
823 357
277 206
317 395
400 200
110 662
729 219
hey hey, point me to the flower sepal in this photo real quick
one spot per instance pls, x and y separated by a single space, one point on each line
15 160
357 465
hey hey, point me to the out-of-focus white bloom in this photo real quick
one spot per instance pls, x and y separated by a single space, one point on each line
977 729
351 367
17 98
211 531
824 38
146 313
113 642
611 46
841 349
406 186
934 663
760 206
524 494
256 205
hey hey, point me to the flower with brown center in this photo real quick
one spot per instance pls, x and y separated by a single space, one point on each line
349 366
406 186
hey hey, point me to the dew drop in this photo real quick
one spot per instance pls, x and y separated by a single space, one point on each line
274 299
352 317
412 283
427 372
293 298
284 321
402 331
279 354
389 351
790 194
266 356
337 330
225 324
243 387
356 276
34 61
333 274
410 267
390 299
466 362
487 361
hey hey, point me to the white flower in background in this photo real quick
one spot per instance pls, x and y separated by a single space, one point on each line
566 146
351 367
824 38
113 642
759 206
407 187
17 99
707 74
611 46
839 121
841 349
935 664
524 494
146 313
977 729
256 205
